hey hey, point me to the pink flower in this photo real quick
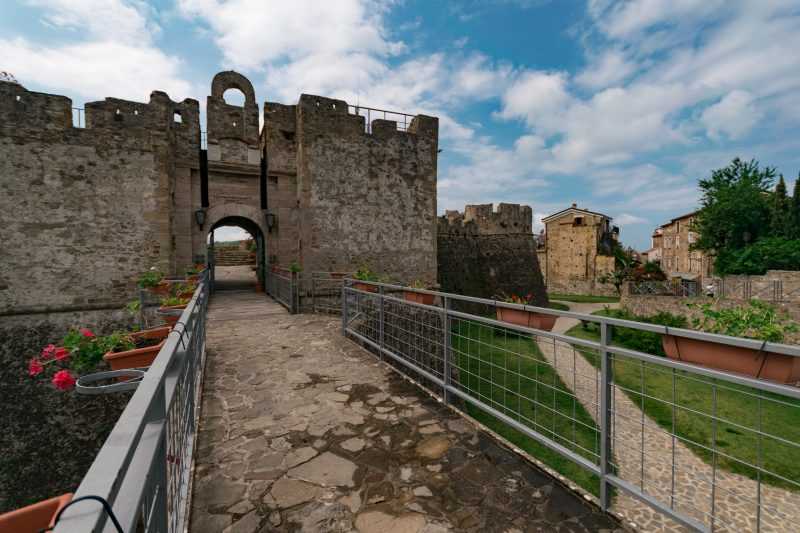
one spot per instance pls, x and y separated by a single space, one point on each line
61 353
86 333
35 367
63 380
48 351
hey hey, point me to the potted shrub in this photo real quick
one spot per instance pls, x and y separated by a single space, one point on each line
135 350
365 274
419 297
171 308
756 320
194 271
523 317
39 516
80 351
153 281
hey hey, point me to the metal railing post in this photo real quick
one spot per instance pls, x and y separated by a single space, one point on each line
446 349
294 293
313 293
344 308
380 320
159 519
141 308
606 369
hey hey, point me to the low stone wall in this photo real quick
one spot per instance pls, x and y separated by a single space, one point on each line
580 286
650 305
49 438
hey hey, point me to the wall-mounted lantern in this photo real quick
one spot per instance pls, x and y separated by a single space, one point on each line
200 217
270 219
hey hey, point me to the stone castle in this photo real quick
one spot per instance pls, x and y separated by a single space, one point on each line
86 209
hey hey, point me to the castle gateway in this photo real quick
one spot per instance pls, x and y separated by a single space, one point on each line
90 199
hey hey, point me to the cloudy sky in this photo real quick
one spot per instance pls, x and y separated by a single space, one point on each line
619 106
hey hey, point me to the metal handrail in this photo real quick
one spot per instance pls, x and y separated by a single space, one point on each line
403 120
364 319
143 468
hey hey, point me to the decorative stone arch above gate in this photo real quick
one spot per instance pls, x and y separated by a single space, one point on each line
220 212
233 80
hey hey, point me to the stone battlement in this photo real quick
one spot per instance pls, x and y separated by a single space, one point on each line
483 219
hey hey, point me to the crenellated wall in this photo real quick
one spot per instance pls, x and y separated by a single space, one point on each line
345 197
486 253
86 209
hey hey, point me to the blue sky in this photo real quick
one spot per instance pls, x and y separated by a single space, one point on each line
619 106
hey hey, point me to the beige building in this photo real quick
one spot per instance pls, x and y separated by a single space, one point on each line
576 250
671 245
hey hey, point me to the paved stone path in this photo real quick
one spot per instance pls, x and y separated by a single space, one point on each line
736 496
228 278
302 430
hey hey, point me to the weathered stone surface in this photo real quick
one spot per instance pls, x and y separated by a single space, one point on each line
327 470
249 523
353 445
433 447
290 492
378 522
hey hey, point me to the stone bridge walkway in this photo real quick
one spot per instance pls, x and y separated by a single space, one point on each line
302 430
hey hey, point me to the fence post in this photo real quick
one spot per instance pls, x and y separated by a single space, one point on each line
159 519
381 317
344 308
606 369
446 349
294 293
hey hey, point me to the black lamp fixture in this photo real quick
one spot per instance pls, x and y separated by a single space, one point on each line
270 219
200 217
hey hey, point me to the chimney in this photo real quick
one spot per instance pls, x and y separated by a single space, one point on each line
574 205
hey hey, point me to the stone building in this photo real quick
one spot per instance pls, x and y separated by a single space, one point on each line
576 250
671 245
483 252
86 209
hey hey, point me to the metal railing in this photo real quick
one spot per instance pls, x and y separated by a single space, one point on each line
701 446
144 468
281 286
403 120
317 292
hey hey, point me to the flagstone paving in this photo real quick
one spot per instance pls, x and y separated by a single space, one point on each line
302 430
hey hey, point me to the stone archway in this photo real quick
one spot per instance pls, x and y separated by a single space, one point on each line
249 219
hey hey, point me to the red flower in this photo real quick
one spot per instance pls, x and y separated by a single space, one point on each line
86 333
35 367
61 353
48 351
63 380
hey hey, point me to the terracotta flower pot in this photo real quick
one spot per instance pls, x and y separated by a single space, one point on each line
365 287
162 288
419 297
34 517
170 313
529 319
139 357
763 365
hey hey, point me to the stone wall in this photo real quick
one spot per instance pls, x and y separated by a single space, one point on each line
508 218
487 265
359 198
49 438
85 210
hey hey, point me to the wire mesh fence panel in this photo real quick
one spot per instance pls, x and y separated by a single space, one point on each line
710 450
320 292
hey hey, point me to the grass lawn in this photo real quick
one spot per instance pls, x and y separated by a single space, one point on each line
507 371
584 298
736 437
559 306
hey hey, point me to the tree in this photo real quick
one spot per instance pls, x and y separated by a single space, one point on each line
781 211
735 207
624 264
795 207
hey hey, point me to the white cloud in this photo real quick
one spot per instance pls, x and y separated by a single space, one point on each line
253 33
733 116
608 68
115 55
627 219
538 98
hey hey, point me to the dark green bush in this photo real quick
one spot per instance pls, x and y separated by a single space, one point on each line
642 341
774 253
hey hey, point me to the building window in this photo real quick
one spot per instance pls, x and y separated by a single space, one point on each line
578 221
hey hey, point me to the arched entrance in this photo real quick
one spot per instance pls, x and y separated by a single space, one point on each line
231 266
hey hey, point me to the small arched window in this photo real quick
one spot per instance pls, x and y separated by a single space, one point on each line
233 96
177 118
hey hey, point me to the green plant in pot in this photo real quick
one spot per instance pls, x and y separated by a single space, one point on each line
756 320
419 297
364 273
134 350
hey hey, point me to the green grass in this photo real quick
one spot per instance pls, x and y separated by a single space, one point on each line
559 306
507 371
584 298
736 437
